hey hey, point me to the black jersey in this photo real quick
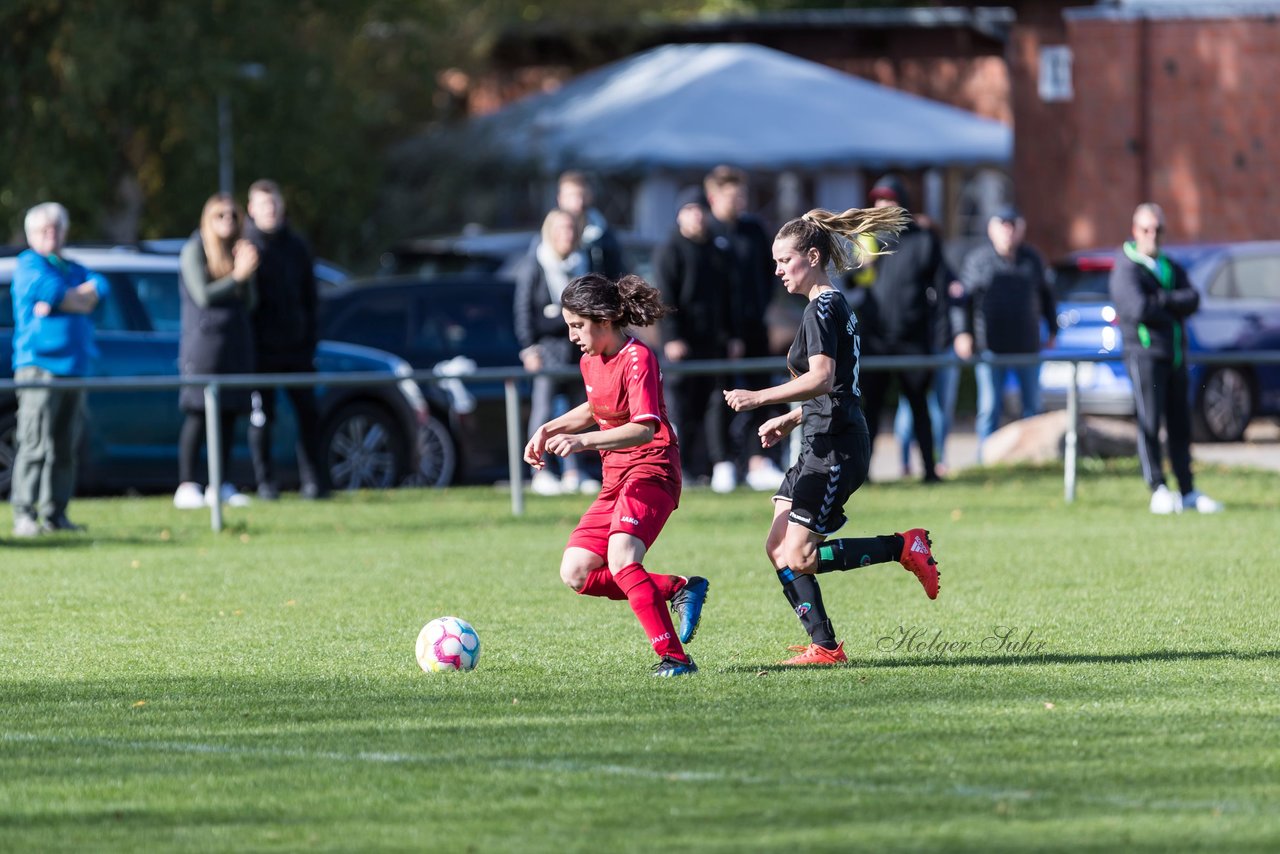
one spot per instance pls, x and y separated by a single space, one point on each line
828 328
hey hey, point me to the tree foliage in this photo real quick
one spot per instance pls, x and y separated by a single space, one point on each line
111 106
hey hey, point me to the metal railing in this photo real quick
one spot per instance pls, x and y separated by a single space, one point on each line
510 377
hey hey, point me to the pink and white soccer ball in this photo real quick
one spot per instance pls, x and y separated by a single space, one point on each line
447 644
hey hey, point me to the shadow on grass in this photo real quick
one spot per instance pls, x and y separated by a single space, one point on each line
1012 660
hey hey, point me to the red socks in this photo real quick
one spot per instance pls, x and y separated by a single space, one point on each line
650 609
600 582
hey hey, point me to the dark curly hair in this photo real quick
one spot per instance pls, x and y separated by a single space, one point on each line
630 301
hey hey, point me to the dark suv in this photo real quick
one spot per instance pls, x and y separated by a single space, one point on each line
446 324
379 436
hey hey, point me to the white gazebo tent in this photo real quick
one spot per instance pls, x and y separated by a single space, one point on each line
679 108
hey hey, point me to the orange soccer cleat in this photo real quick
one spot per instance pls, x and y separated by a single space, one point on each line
818 655
918 559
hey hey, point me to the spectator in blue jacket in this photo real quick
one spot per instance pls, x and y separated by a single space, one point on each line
53 299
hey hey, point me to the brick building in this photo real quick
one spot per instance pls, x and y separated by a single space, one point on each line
1172 102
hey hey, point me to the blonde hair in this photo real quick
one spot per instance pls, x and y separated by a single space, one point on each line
217 251
836 236
548 222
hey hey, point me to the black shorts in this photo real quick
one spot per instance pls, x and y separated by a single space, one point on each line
829 470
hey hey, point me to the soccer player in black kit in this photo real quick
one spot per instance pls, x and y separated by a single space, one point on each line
836 451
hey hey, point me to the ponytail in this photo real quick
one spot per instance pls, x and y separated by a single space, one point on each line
630 301
835 235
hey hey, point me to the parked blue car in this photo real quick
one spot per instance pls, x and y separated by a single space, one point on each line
372 437
1239 285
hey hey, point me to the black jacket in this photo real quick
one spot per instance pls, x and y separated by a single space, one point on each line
909 285
216 334
696 279
284 322
1007 298
1142 303
751 250
534 322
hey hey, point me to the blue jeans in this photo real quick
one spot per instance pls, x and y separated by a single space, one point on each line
991 380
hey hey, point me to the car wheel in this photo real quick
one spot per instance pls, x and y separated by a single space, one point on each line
363 448
1224 406
8 447
437 456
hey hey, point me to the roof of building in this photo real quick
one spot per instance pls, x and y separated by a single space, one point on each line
1122 10
694 106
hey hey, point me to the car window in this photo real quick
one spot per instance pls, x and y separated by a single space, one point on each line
1257 277
158 293
1082 283
1223 285
374 321
474 323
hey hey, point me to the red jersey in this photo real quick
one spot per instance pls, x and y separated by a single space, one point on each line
624 388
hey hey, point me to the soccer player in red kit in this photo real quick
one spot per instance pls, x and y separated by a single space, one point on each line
641 464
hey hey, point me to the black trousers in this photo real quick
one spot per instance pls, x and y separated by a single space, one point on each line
1160 396
701 417
310 463
914 386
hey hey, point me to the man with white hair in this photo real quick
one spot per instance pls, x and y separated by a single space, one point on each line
53 299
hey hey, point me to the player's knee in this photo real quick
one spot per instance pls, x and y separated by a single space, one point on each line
802 559
574 575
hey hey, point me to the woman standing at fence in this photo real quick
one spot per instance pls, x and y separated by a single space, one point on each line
540 282
217 293
641 463
836 452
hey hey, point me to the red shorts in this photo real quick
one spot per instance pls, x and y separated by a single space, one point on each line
639 508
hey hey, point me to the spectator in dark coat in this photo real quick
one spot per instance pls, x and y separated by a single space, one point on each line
285 336
1153 299
751 248
1008 295
905 293
217 293
693 273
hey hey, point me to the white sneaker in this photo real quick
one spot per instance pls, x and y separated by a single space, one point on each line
545 483
589 486
1164 502
765 478
231 497
724 477
1201 503
189 496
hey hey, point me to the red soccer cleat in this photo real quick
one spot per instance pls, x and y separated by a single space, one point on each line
819 655
918 559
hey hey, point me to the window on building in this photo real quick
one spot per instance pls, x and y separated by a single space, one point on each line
1055 73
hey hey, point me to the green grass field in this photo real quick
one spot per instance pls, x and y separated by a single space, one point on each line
163 687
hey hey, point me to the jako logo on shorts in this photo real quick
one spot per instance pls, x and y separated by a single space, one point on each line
631 520
803 608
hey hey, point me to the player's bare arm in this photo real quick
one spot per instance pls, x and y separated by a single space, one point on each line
614 439
779 427
575 420
815 382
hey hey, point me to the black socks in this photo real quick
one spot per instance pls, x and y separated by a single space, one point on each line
862 551
805 596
